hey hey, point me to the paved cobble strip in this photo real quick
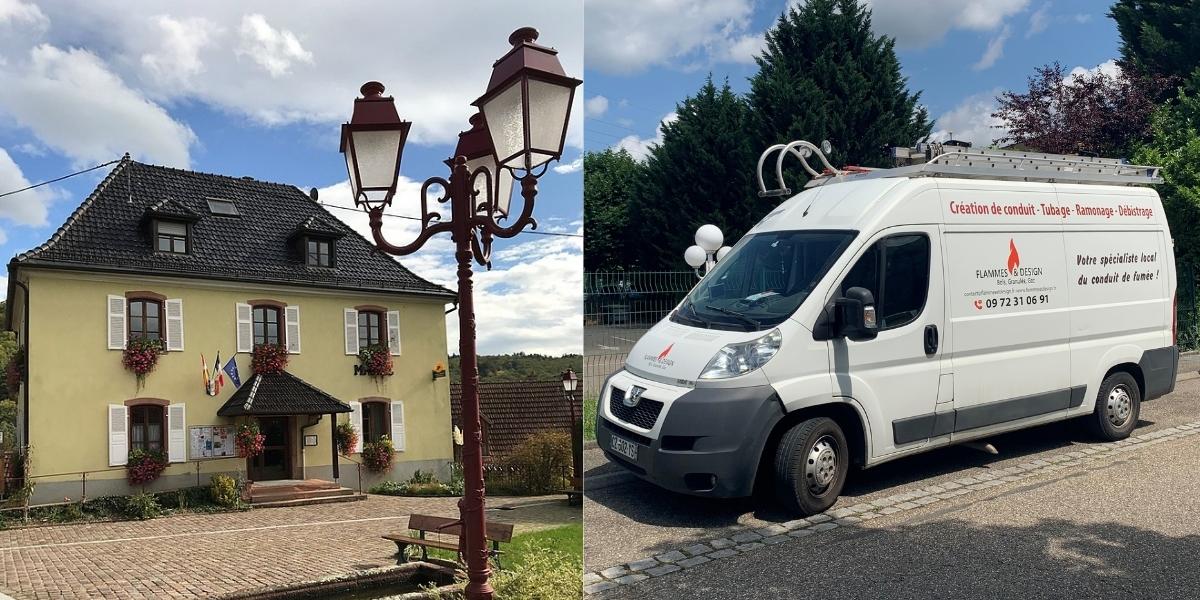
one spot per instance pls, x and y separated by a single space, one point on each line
750 540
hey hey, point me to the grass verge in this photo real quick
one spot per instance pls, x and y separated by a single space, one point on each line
589 418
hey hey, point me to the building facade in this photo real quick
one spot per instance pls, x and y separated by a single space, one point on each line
207 264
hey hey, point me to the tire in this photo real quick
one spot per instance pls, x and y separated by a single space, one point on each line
1118 404
811 463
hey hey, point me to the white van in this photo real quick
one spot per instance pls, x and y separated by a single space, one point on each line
883 313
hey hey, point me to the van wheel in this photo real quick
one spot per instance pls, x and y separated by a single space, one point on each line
1118 405
810 466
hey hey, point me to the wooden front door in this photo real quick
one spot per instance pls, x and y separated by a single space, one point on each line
275 460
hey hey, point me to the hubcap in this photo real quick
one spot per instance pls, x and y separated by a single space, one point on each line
821 465
1120 406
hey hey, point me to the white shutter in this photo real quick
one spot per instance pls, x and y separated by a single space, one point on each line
291 316
393 325
245 328
398 425
351 331
116 324
176 433
356 423
118 434
174 324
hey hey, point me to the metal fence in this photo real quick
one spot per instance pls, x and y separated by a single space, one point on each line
619 306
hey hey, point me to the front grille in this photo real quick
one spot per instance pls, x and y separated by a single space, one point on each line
644 415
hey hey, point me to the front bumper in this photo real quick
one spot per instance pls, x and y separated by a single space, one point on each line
706 441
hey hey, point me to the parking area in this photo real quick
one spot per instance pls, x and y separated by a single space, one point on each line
630 521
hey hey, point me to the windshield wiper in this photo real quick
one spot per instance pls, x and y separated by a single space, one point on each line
696 316
734 313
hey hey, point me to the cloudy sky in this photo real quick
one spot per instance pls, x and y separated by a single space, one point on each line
643 56
260 90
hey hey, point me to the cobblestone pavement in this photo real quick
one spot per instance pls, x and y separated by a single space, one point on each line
204 555
630 521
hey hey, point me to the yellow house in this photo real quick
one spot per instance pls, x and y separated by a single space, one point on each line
206 265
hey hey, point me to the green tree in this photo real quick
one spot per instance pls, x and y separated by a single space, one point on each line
609 178
1175 146
8 347
702 172
1158 38
825 76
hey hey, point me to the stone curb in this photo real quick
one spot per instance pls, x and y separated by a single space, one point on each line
748 540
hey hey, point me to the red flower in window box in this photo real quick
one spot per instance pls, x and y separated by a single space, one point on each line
249 440
144 466
269 358
375 360
377 456
141 355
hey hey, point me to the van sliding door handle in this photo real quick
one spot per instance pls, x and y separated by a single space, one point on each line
931 340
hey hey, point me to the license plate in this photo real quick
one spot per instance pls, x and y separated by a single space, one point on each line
625 448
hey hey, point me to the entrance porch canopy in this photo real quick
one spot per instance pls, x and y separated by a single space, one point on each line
275 394
280 394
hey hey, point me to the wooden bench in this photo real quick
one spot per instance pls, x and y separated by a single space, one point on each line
575 493
423 524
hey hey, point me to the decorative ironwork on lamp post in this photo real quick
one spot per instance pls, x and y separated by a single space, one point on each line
520 129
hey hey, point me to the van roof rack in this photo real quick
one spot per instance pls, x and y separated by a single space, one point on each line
944 160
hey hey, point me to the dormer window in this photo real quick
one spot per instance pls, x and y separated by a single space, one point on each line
318 252
171 236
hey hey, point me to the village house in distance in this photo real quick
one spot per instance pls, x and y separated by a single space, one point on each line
204 264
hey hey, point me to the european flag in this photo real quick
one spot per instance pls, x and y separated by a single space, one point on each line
232 371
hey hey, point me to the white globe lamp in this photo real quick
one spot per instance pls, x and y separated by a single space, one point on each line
709 238
722 252
695 256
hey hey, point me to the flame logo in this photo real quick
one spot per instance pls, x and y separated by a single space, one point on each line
666 352
1014 259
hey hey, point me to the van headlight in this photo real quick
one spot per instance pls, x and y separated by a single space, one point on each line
739 359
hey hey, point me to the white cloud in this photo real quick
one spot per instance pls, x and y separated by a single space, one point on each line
21 12
639 147
273 49
271 80
177 57
628 36
923 23
24 208
75 105
1039 20
596 106
971 120
1108 67
994 50
571 167
531 300
745 48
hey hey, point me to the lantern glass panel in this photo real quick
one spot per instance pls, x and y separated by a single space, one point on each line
506 123
501 185
355 186
548 107
377 152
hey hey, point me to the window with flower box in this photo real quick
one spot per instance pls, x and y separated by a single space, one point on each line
146 427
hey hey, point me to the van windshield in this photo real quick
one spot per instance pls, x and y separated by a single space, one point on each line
763 280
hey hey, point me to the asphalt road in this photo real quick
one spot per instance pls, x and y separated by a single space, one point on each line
628 519
1121 529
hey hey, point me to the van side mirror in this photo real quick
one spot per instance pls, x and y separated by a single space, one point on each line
855 315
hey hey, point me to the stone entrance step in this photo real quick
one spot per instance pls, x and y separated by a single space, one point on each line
269 494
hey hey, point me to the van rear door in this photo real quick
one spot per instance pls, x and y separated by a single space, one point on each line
895 377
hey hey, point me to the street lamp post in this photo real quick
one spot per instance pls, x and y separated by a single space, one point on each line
520 129
707 251
570 383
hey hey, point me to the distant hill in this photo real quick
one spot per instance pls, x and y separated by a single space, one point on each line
521 366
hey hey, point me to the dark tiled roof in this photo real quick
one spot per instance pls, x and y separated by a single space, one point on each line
280 394
107 232
513 410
